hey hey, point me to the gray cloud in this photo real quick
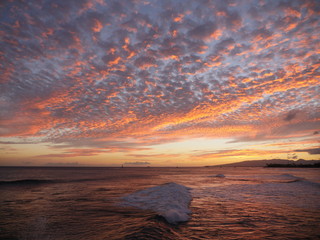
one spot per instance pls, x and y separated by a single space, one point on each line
312 151
290 116
73 70
203 31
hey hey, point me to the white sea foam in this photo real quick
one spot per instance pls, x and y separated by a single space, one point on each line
169 200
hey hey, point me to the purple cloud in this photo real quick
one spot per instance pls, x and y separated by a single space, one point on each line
102 71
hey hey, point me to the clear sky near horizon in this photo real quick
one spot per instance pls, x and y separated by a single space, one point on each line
158 83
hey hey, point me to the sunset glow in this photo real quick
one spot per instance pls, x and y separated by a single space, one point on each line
158 83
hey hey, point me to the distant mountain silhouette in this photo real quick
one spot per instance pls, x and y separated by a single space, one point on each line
271 163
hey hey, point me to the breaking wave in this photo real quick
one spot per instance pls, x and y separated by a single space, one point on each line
287 178
169 200
283 178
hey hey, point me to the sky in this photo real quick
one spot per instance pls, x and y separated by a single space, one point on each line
158 83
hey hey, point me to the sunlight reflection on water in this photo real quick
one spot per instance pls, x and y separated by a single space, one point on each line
84 204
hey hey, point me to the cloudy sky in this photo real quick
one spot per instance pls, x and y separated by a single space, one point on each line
158 83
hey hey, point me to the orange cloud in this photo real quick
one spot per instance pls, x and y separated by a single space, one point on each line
97 26
148 80
178 18
249 153
73 153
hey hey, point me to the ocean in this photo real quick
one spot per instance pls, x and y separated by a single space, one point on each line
159 203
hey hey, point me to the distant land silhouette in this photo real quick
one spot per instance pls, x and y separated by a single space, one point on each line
273 163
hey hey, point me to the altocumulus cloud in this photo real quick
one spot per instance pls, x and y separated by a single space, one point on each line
138 73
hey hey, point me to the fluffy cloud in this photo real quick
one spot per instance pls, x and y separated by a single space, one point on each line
131 72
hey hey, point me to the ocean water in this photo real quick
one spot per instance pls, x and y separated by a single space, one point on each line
159 203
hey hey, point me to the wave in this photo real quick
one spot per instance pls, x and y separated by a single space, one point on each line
170 200
272 189
218 176
286 178
309 183
45 181
26 182
283 178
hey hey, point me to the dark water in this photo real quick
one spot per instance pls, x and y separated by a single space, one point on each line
86 203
